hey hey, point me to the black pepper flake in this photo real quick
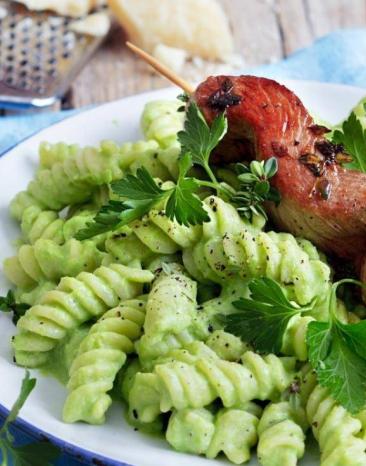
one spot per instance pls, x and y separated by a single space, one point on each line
223 97
135 414
295 386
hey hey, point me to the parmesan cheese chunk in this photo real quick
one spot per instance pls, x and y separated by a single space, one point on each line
198 26
171 57
73 8
97 25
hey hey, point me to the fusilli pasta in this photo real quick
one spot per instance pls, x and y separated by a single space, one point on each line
180 385
232 431
47 261
101 355
74 301
337 431
70 181
281 438
161 121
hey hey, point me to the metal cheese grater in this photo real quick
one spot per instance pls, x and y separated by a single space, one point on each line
39 56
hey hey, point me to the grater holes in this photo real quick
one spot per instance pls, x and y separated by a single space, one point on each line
37 51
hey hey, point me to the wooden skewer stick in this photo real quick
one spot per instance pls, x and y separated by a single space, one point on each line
161 69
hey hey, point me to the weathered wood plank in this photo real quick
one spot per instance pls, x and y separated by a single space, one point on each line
112 73
292 17
255 28
327 15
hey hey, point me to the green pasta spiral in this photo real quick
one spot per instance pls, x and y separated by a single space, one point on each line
125 247
48 261
232 431
164 236
70 181
226 345
161 121
144 154
180 385
46 224
294 339
224 220
73 302
170 312
337 431
101 355
50 154
274 255
152 236
281 438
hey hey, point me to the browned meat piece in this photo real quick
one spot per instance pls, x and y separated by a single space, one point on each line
321 200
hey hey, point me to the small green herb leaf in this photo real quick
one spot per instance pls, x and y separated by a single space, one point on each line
9 304
27 387
337 352
254 188
142 195
139 187
185 164
33 454
353 137
263 319
198 138
184 97
184 206
334 354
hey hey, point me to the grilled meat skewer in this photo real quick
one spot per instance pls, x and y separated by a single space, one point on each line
321 200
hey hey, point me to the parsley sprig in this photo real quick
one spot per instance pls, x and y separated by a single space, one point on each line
352 136
8 304
140 193
337 352
33 454
262 320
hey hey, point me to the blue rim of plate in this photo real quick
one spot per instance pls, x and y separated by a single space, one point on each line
65 447
70 449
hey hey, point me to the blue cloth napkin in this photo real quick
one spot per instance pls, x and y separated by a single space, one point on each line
339 57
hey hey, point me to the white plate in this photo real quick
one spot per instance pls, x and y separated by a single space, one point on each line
115 441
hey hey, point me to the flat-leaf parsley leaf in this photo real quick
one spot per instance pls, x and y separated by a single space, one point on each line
263 319
353 137
337 352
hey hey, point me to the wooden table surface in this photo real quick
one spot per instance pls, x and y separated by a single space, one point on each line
264 31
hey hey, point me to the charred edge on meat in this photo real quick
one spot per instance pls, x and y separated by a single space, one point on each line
323 188
319 130
314 162
223 97
328 154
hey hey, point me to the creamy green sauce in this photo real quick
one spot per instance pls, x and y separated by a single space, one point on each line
64 354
